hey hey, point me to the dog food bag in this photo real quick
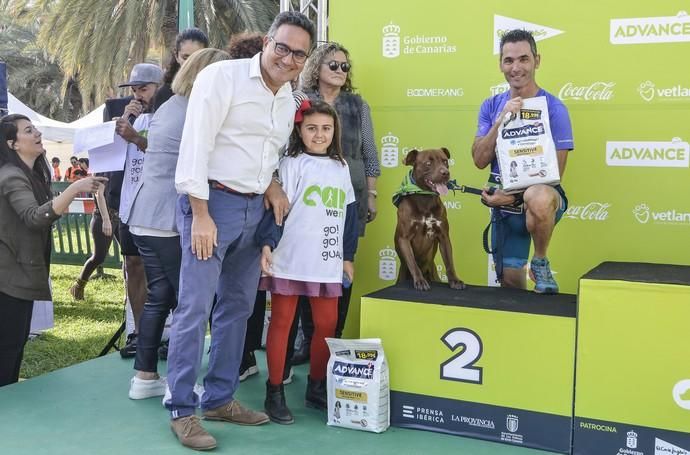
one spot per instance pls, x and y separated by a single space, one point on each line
358 386
525 149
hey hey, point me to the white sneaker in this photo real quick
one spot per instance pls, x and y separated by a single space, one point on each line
288 378
146 388
198 389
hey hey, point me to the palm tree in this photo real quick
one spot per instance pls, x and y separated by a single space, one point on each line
32 77
96 42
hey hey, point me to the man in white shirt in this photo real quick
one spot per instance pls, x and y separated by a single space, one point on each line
240 114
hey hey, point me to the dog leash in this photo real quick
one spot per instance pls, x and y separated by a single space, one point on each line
453 185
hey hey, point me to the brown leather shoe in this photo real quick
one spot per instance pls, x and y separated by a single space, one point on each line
191 434
234 412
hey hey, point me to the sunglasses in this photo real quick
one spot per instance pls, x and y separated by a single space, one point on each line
344 66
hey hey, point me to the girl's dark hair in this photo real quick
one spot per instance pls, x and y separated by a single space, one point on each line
188 34
296 145
39 176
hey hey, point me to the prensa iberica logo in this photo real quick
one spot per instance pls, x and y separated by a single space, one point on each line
394 43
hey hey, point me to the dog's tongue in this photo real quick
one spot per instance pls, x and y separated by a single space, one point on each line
441 188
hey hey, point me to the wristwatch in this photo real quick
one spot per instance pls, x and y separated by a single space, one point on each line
373 193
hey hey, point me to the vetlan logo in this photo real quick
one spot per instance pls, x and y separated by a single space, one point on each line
523 131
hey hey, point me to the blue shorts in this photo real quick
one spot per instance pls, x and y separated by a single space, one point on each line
517 240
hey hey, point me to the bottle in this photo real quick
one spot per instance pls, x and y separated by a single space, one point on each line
346 281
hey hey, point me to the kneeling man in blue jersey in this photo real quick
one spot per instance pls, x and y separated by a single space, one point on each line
519 218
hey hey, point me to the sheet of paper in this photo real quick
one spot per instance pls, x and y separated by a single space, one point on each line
109 157
94 136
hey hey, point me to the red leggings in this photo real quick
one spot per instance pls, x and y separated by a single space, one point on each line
283 307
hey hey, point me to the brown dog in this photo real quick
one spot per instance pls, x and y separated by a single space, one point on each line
422 220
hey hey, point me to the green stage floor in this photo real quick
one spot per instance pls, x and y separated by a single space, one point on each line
84 409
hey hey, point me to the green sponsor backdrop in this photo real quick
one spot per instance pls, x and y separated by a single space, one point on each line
631 339
635 94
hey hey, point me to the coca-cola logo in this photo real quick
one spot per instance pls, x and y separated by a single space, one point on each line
596 91
594 211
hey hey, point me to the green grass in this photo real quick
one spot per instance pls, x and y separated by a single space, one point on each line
81 329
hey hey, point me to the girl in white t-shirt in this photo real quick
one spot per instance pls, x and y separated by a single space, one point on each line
316 249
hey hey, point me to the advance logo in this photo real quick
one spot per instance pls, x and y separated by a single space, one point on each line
644 30
675 153
503 25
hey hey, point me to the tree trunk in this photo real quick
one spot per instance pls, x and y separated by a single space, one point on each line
169 26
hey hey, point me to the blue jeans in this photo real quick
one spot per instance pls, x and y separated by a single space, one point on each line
232 273
161 257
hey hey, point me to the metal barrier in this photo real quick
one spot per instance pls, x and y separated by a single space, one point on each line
72 233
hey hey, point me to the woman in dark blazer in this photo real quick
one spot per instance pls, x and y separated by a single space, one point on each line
27 212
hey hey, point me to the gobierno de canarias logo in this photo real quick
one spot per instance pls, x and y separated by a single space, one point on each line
395 43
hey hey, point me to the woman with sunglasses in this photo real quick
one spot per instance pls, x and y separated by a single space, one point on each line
327 75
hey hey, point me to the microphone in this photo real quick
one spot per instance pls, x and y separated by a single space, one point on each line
131 118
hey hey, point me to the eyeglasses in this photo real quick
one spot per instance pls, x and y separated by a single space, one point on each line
283 50
333 66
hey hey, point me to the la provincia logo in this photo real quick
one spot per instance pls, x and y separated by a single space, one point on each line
649 92
394 43
644 215
503 25
594 211
675 153
645 30
596 91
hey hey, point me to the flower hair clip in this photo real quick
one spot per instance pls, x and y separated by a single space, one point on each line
303 107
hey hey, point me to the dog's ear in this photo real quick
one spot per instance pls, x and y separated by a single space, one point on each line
411 157
446 151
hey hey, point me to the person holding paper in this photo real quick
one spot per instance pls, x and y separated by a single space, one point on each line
517 219
27 212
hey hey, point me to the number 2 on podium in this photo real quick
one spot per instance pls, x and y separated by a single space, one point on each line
461 367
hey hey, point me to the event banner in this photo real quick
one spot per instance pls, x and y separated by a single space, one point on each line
619 67
632 393
488 363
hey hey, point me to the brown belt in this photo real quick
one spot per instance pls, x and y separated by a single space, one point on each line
216 185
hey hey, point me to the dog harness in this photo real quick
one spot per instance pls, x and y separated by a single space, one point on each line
408 187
